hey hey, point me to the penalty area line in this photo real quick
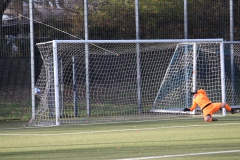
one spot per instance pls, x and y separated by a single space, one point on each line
181 155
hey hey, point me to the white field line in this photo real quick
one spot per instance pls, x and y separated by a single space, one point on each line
182 155
111 131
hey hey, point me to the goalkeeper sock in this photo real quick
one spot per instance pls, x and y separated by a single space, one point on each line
228 108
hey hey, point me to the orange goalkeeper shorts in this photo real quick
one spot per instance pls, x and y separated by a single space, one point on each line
211 109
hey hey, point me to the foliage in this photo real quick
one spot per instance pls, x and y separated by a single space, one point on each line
114 19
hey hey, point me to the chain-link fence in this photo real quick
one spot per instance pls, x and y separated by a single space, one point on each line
107 19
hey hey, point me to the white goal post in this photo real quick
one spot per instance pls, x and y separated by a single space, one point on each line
106 80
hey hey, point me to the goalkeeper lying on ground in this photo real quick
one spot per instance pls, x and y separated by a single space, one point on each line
200 99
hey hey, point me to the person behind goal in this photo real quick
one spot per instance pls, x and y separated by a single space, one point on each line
201 99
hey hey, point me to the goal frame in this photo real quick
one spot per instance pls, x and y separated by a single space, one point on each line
87 42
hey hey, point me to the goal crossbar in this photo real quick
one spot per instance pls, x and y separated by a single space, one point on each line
135 41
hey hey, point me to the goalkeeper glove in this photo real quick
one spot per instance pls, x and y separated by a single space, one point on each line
186 109
232 111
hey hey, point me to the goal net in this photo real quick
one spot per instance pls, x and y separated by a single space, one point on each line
93 80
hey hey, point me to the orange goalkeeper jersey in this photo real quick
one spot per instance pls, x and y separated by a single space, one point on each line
200 100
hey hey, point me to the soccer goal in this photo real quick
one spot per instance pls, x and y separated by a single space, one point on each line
111 80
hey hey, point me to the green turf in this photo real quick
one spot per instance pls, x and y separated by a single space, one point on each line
117 140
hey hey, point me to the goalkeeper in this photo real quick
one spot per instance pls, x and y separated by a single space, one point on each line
201 99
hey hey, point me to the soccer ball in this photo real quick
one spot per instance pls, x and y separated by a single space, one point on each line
37 91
